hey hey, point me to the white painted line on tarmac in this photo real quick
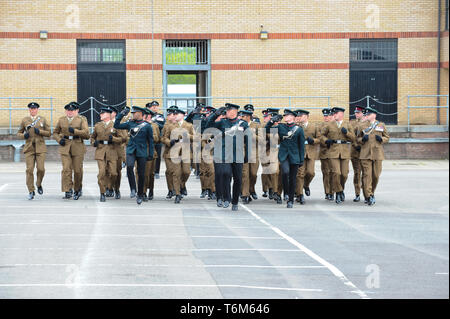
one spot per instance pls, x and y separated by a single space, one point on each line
139 225
4 186
137 236
442 273
150 249
334 270
171 266
159 285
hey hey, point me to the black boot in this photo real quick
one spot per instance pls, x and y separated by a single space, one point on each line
307 191
264 194
203 194
76 195
40 190
139 199
150 194
68 194
278 199
342 196
302 199
117 196
338 198
254 196
297 199
169 195
184 191
213 196
144 197
270 193
290 204
286 197
219 202
235 207
371 200
177 199
102 197
357 199
226 204
133 193
246 200
31 195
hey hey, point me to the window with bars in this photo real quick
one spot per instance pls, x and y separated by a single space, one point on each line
101 52
186 52
373 50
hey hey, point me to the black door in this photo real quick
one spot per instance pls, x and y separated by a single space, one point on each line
381 85
101 75
107 88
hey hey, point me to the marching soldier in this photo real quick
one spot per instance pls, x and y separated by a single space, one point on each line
150 166
355 152
306 172
253 164
177 139
229 160
338 135
291 153
84 118
103 138
170 120
139 148
323 156
207 164
33 129
158 118
372 136
114 183
69 132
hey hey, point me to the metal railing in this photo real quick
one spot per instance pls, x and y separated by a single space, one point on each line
411 107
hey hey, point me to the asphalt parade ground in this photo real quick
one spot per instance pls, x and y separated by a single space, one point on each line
56 248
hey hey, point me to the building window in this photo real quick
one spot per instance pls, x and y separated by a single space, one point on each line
186 52
373 50
101 51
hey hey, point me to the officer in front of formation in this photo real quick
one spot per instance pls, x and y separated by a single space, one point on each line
33 129
139 147
292 151
69 132
372 136
338 135
103 138
229 159
159 119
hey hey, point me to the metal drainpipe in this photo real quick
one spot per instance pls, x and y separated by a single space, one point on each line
438 99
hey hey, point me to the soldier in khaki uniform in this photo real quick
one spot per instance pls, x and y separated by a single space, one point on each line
306 172
150 166
323 156
69 132
338 135
170 120
103 139
119 148
177 139
356 148
33 128
253 164
248 180
207 163
372 137
84 118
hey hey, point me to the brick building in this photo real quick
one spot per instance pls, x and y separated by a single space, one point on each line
339 50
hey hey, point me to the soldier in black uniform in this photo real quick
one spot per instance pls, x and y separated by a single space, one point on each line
291 153
159 119
230 158
139 148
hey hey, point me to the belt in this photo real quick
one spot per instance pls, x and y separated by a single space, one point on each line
71 137
104 142
341 142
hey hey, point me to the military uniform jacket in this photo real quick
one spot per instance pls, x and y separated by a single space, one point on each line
257 140
141 136
179 132
372 149
311 130
292 143
356 124
35 144
74 142
333 132
159 120
120 147
323 149
106 150
156 138
230 128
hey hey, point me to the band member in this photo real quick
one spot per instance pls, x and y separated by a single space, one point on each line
338 135
306 172
139 148
372 137
292 151
33 129
355 152
230 158
69 132
103 138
